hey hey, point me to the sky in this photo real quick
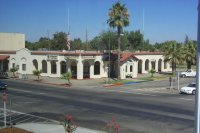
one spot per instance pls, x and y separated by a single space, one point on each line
159 20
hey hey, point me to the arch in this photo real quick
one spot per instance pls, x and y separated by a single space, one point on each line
165 64
23 59
147 65
74 69
153 65
63 67
97 68
13 59
140 66
44 66
35 64
86 69
159 65
53 67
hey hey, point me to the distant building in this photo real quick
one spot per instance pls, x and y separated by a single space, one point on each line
9 42
12 41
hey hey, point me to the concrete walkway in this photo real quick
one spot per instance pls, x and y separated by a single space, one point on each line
52 128
75 82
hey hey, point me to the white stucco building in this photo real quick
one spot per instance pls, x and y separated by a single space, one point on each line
85 64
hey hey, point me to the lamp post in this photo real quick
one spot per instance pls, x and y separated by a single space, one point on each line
119 52
197 96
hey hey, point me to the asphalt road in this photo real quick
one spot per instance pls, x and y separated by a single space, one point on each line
138 108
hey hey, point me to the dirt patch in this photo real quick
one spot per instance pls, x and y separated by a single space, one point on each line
13 130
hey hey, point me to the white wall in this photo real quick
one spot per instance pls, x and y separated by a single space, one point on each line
23 56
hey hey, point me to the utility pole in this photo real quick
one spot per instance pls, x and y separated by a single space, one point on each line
109 60
197 96
48 40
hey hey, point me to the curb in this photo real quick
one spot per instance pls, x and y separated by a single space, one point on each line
110 85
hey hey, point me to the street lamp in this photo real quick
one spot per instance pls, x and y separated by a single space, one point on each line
119 51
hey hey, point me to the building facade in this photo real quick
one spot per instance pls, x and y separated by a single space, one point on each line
84 64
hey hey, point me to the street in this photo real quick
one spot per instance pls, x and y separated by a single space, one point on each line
138 108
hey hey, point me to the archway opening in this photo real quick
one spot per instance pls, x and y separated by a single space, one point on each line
97 68
35 64
147 65
63 67
86 70
44 66
74 69
140 66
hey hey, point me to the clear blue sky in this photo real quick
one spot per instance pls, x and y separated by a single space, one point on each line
163 19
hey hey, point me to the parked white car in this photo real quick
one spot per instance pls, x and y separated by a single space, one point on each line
189 89
188 73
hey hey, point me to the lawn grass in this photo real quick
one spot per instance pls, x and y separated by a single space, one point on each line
13 130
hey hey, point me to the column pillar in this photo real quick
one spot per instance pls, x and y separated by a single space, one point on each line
162 65
143 66
150 67
80 68
135 69
58 68
156 65
48 68
92 70
39 65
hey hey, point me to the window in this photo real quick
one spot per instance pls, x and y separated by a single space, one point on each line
131 68
165 65
24 67
126 69
13 65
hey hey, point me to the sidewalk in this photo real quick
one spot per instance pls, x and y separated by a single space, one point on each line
52 128
63 82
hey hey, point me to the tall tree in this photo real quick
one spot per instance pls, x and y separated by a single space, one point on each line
135 39
59 41
118 18
189 51
173 53
76 44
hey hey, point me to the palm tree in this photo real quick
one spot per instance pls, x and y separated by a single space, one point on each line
118 18
173 53
189 51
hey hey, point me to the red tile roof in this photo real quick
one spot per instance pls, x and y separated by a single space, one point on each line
64 53
4 57
148 53
126 56
7 52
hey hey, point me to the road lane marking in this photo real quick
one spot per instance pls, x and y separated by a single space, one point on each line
186 99
21 90
25 120
42 93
